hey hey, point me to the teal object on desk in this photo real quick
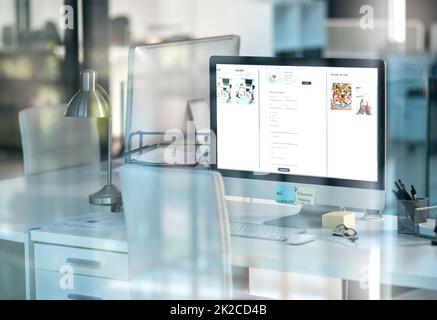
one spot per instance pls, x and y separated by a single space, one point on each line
285 194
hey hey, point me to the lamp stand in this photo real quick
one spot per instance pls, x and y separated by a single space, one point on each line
109 194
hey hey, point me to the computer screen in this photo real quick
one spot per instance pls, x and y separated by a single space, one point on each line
300 120
162 79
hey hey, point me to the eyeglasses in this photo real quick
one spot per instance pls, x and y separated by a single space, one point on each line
342 231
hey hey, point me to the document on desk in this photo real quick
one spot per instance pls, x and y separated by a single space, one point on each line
96 221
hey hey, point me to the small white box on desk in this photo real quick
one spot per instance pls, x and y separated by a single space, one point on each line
332 219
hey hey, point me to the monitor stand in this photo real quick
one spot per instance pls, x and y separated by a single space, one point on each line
310 217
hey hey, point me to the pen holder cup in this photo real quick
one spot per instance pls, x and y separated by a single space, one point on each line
411 213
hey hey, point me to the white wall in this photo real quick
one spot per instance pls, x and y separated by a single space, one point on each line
151 18
298 23
346 38
43 11
252 20
140 13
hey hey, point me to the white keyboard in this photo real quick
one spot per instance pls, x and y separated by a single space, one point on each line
262 231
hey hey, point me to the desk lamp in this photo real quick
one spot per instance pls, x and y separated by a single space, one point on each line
92 101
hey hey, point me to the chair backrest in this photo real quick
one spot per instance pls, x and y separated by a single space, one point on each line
178 233
51 142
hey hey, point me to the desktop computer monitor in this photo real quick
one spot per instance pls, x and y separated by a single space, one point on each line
162 79
318 125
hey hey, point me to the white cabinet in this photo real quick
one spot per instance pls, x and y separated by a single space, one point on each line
64 272
95 263
49 286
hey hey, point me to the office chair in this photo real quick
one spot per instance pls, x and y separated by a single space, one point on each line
177 232
51 142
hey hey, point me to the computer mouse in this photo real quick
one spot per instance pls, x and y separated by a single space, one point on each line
300 238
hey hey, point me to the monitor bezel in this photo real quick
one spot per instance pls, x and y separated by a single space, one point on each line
328 62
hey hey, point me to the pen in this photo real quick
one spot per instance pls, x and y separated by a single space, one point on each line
404 191
401 184
399 192
414 193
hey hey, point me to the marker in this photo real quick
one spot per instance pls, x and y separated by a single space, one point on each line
401 183
404 191
400 194
414 193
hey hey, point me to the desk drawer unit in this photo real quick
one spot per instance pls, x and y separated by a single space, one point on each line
48 287
87 262
94 274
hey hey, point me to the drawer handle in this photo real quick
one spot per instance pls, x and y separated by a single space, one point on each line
84 262
73 296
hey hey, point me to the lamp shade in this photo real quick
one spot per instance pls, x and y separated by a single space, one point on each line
91 101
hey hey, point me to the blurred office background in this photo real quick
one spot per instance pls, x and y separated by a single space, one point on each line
40 62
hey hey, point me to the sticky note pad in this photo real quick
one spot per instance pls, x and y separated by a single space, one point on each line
332 219
285 194
306 196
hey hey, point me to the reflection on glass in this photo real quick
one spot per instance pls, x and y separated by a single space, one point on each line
177 231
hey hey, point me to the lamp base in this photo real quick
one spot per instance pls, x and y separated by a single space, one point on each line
107 196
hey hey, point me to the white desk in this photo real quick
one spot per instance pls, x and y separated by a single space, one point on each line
28 201
380 256
380 253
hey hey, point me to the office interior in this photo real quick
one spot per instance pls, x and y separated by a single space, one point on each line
44 47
